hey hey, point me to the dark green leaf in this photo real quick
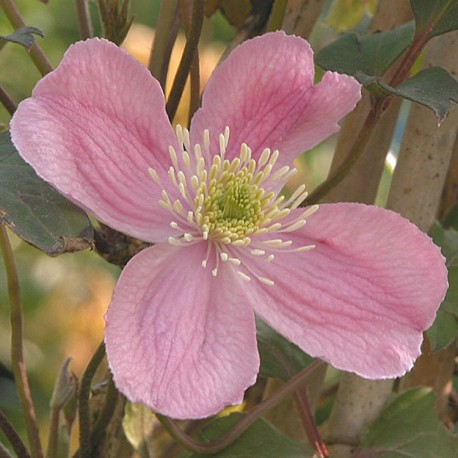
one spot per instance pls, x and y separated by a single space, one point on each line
447 239
435 17
370 54
445 327
408 428
261 440
35 211
443 331
279 357
452 218
23 36
433 87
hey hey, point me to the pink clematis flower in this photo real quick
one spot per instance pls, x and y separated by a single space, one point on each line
355 285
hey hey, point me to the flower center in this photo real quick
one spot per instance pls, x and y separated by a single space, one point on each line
233 205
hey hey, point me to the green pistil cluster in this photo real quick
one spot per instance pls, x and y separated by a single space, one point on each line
233 206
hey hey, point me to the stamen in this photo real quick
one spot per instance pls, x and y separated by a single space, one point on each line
230 203
243 276
186 140
266 281
207 141
155 176
173 157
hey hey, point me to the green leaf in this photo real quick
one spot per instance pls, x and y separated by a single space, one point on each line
370 54
452 218
445 327
433 87
23 36
35 211
447 240
408 428
279 357
435 17
260 440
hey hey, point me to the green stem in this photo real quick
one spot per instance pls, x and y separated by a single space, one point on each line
194 102
216 446
84 19
17 355
105 415
13 437
35 51
187 58
7 101
358 148
53 433
277 15
164 25
4 453
83 401
308 420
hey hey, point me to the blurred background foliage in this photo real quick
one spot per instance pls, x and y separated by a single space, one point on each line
65 298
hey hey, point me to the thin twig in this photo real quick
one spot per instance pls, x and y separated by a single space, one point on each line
7 101
53 433
4 453
358 148
36 53
84 19
194 102
216 446
83 399
17 354
13 437
308 420
161 45
276 16
187 58
105 415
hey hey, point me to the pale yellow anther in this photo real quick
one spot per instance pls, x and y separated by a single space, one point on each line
266 281
243 276
173 156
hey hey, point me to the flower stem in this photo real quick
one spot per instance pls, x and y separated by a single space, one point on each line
105 415
160 51
308 420
276 16
84 19
13 437
4 453
53 433
195 70
17 355
35 51
358 148
7 101
187 58
83 398
216 446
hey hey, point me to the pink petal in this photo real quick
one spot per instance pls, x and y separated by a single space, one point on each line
92 128
361 299
178 339
264 92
